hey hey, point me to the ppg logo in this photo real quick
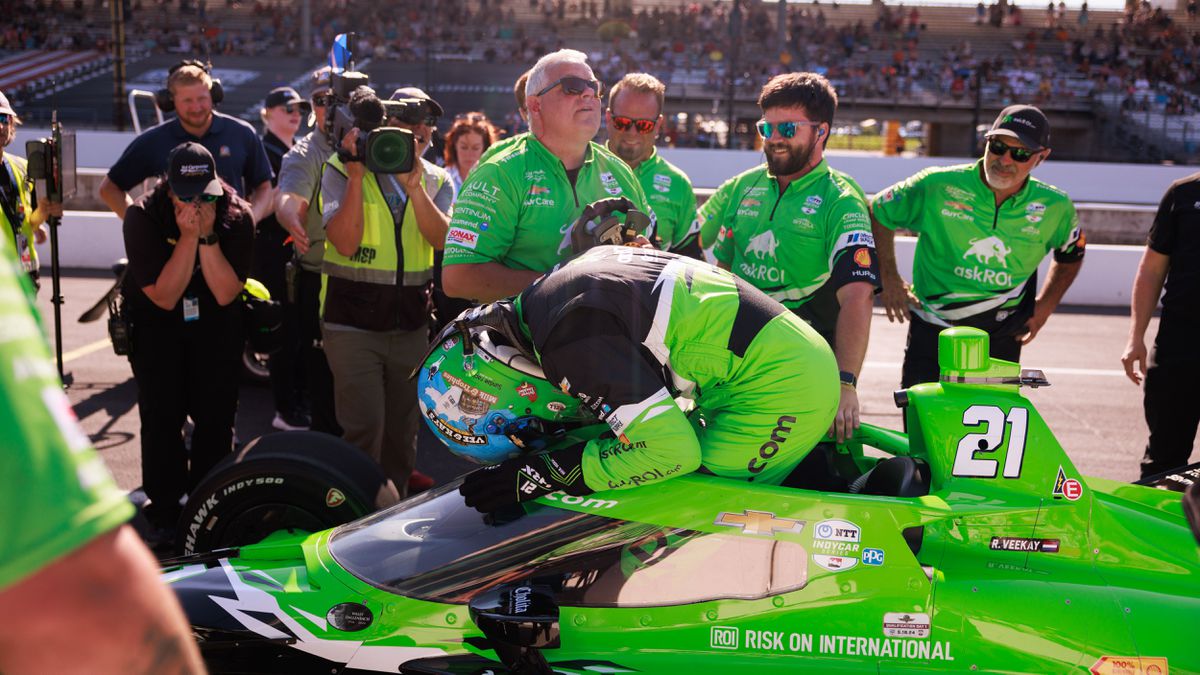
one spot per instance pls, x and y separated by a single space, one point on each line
724 637
872 556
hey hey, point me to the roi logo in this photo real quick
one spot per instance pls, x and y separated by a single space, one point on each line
872 556
724 637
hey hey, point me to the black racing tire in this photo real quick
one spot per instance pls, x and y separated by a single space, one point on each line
295 480
255 366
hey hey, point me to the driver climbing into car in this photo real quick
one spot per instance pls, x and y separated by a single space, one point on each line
635 337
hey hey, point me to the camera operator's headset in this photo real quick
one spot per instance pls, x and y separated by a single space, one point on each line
166 102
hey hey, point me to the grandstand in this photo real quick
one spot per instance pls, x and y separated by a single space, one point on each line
1117 85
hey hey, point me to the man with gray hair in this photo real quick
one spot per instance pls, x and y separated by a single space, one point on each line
635 119
513 218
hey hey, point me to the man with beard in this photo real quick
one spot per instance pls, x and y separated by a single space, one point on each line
513 219
241 159
983 229
635 119
799 231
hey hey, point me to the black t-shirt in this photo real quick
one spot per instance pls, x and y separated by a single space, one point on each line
276 149
150 236
1176 233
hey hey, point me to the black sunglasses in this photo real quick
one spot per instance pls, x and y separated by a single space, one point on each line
622 123
4 118
1020 155
207 198
323 100
573 86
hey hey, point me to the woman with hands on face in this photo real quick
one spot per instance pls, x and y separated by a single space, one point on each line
189 242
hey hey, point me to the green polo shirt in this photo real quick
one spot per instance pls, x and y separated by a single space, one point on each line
669 191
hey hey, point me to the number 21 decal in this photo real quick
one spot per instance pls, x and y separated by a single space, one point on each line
971 460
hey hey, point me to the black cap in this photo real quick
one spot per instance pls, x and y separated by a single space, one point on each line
414 92
192 171
1024 123
282 96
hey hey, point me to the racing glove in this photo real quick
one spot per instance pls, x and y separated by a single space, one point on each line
523 478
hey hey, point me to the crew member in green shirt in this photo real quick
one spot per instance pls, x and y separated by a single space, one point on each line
983 229
635 119
514 215
800 231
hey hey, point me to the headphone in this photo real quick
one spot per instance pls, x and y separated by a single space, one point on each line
166 102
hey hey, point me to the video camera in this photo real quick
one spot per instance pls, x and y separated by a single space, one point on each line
52 164
383 149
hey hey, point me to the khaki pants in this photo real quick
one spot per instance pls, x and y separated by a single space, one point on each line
376 402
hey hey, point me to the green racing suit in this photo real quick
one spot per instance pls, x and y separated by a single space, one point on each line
976 263
635 334
55 492
518 208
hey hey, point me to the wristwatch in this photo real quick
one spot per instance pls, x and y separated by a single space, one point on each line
209 240
849 378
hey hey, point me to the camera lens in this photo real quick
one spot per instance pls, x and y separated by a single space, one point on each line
391 151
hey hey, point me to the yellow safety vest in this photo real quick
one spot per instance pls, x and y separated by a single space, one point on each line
376 260
28 256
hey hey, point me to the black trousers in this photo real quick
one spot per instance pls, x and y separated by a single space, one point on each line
271 256
316 367
185 370
920 354
1172 410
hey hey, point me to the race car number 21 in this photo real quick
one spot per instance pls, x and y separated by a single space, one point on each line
971 458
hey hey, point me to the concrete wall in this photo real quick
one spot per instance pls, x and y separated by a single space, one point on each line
92 240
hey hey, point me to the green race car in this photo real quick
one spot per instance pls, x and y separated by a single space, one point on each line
968 544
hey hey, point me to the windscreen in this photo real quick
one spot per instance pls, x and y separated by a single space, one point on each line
436 548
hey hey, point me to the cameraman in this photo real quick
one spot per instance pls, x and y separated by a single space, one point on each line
21 217
189 243
381 232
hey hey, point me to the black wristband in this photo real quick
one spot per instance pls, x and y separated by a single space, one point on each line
209 240
849 378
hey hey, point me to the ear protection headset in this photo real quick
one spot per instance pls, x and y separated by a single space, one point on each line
166 102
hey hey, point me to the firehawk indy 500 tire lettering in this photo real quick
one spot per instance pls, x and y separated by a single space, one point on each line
975 546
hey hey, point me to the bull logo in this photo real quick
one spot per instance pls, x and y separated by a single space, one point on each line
987 248
763 245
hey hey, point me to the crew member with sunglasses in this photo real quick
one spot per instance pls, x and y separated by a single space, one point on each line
282 113
513 218
799 230
22 217
189 243
983 229
297 211
635 119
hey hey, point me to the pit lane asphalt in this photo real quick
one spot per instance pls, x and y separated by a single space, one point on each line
1094 411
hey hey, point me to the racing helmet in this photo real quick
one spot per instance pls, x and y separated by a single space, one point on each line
483 394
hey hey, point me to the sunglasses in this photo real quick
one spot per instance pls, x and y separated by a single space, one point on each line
785 129
4 118
206 198
622 123
573 86
1020 155
293 107
323 100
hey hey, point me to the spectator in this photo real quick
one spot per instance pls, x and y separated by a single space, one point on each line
799 231
983 229
78 590
189 243
1172 412
281 114
297 211
635 118
22 217
470 136
381 232
521 203
241 160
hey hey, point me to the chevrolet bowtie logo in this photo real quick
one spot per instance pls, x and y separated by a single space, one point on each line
762 523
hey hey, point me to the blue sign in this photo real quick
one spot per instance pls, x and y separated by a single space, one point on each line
872 556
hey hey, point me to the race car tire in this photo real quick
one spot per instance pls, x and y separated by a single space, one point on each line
297 480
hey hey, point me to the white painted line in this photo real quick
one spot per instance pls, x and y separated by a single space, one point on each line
86 349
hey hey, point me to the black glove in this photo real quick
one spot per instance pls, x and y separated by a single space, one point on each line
523 478
598 224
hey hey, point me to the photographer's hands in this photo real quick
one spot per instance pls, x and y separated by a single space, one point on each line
354 170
